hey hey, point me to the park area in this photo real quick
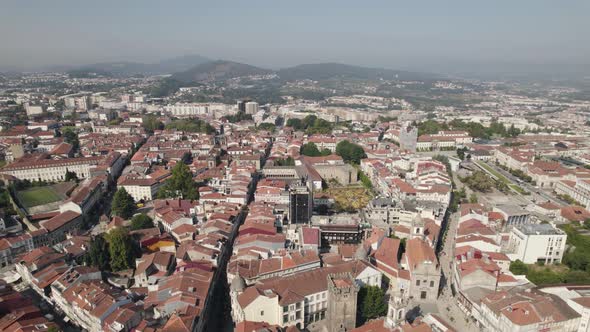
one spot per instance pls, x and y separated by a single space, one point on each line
36 196
350 198
501 178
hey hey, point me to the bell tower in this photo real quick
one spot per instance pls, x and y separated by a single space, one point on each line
396 311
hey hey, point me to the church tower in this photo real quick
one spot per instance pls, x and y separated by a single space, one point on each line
342 295
396 311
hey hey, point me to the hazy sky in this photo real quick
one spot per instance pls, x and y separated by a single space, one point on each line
406 34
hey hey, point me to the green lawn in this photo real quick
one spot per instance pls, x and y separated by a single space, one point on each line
38 196
494 172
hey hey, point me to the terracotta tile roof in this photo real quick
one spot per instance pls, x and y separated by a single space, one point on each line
549 206
386 256
583 301
575 213
248 326
418 252
529 307
377 325
59 220
311 235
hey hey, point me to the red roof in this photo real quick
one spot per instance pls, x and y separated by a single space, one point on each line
311 235
59 220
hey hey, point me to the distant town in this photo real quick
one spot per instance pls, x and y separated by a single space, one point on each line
326 197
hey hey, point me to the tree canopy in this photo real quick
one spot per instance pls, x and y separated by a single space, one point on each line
71 137
240 116
123 204
180 184
350 152
121 249
98 254
267 126
141 221
311 124
289 161
311 150
191 126
517 267
372 303
475 129
151 123
479 181
71 176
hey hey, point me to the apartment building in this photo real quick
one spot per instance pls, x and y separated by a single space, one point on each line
443 140
578 190
526 311
514 158
143 187
536 243
41 168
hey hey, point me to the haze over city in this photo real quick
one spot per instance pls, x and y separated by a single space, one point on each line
412 35
273 166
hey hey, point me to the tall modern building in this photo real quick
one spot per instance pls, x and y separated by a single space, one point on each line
242 105
251 107
408 137
300 204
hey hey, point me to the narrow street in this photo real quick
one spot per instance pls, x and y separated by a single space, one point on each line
447 303
216 315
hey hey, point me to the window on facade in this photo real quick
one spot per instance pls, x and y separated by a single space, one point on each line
431 283
261 312
417 282
298 306
285 308
298 315
285 318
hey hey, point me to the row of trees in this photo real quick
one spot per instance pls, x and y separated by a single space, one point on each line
191 126
521 175
350 152
311 124
289 161
540 276
475 129
267 126
311 150
240 116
